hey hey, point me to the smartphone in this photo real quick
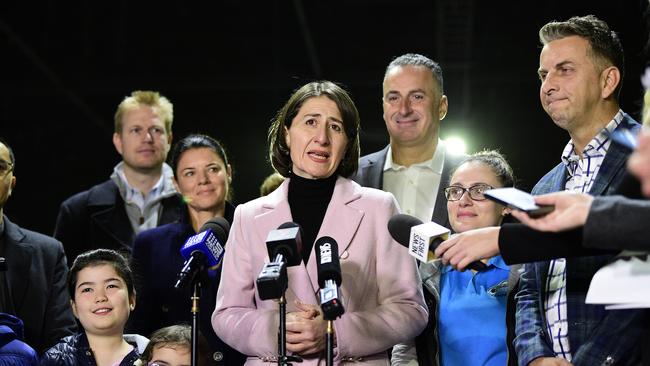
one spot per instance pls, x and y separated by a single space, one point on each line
518 200
623 137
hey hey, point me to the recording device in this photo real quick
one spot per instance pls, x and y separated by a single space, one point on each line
329 277
422 239
518 200
203 250
284 245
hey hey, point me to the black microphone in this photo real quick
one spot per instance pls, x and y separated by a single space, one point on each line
285 242
420 238
284 245
329 277
205 249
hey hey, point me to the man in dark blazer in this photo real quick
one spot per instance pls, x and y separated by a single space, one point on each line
414 103
415 167
33 284
139 194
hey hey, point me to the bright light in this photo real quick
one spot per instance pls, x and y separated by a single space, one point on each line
455 145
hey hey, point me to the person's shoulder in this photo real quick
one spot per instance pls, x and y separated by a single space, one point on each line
373 157
33 237
98 191
372 194
62 353
162 231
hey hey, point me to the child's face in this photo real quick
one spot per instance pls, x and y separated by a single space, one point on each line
101 300
171 355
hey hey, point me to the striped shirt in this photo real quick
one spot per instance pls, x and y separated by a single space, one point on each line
582 171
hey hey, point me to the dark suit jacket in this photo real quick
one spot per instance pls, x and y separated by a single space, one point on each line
371 174
595 334
36 278
156 262
96 218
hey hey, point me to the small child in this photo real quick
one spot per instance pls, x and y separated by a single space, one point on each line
171 346
102 296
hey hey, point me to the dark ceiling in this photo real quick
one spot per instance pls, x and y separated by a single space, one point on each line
229 65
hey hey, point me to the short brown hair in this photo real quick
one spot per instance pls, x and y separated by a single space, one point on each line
606 48
176 336
164 108
278 149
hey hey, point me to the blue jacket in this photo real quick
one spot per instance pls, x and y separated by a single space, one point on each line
13 351
596 336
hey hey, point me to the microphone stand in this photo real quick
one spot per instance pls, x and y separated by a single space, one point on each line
329 334
283 359
195 322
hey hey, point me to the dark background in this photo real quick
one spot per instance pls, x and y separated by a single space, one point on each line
228 66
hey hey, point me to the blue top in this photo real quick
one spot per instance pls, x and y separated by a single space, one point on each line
472 315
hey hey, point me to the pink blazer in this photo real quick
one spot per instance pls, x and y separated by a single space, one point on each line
381 288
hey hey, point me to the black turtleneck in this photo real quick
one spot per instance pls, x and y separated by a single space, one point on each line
308 200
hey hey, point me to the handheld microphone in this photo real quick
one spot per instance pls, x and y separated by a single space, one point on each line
329 277
422 239
284 245
203 250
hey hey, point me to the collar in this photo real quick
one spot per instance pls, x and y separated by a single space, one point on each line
436 163
569 155
163 188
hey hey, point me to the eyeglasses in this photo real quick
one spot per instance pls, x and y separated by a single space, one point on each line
455 193
5 168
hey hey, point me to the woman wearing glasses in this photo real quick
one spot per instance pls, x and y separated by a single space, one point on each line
467 308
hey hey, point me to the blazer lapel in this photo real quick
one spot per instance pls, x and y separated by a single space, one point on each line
115 223
171 210
613 166
376 169
113 219
19 256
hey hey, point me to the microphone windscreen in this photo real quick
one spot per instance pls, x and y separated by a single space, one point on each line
399 227
327 260
219 226
286 240
288 224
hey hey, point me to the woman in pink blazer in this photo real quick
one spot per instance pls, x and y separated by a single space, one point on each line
314 143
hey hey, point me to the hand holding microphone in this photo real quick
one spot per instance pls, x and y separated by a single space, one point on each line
422 239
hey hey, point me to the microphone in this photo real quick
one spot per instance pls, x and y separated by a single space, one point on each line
203 250
285 242
284 246
329 277
422 239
